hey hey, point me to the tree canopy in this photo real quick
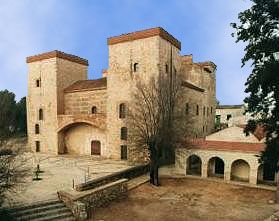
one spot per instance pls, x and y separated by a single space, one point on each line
259 29
12 115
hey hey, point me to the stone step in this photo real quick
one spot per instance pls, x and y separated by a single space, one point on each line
47 213
42 211
57 217
34 205
37 209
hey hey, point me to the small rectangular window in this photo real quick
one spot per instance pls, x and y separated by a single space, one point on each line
203 111
211 110
197 110
207 111
37 146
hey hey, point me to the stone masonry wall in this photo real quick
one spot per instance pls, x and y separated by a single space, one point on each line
81 102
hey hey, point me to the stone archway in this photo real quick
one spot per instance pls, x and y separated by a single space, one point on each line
216 167
194 165
240 171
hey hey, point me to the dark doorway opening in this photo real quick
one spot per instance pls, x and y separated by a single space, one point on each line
124 155
95 147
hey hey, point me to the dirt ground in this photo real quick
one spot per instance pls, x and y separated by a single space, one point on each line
190 199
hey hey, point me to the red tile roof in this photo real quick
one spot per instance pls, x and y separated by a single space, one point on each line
58 54
226 146
86 85
145 34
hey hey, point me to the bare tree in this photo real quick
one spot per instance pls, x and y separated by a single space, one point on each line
13 170
156 119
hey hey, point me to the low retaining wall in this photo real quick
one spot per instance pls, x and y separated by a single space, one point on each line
127 174
83 204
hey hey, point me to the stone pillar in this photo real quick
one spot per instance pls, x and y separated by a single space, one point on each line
253 176
227 172
204 170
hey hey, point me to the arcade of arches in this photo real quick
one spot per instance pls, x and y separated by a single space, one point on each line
236 166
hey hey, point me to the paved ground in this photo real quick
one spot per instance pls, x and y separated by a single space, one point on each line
187 199
59 172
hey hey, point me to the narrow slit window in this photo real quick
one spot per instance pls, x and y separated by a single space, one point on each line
38 83
41 114
124 133
187 109
136 67
94 110
197 110
37 144
122 111
37 129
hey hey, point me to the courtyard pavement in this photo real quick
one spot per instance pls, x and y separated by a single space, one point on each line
59 172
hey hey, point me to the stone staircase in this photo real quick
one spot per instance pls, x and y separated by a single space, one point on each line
44 211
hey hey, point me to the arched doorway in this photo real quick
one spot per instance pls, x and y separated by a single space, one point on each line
194 165
266 174
95 147
216 167
240 171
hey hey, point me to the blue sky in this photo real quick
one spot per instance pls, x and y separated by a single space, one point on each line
81 27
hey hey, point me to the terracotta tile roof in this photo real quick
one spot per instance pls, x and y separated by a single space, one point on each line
86 85
226 146
229 106
58 54
145 34
192 86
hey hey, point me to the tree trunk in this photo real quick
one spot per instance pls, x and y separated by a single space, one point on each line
277 189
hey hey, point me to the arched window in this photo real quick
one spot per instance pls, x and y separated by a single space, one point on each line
37 129
136 67
122 110
41 114
124 133
94 110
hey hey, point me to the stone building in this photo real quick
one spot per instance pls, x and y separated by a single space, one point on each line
67 113
227 154
231 115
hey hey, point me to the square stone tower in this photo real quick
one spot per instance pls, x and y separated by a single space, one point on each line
140 54
48 75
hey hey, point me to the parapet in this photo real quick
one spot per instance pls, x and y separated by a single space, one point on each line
57 54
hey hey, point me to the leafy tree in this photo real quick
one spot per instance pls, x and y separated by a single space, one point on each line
7 114
259 28
21 124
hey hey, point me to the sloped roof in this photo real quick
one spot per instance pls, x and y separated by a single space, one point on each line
192 86
226 146
85 85
145 34
58 54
